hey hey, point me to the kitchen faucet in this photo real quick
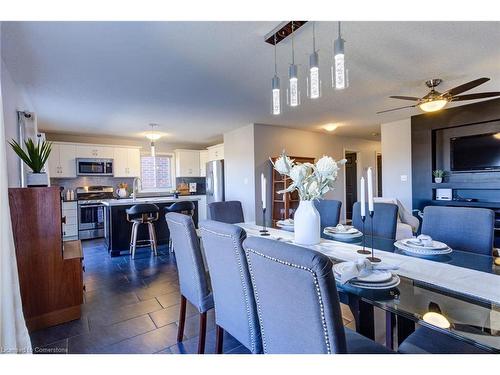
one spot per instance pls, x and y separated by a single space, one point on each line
135 187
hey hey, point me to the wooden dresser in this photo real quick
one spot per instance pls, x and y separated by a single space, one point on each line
50 274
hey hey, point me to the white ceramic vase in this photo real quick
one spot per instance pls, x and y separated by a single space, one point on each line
438 180
122 193
37 179
307 225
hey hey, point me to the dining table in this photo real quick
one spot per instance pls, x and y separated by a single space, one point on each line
461 287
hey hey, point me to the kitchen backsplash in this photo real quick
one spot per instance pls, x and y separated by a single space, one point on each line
200 183
73 183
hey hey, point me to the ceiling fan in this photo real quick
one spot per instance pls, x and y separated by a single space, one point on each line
434 100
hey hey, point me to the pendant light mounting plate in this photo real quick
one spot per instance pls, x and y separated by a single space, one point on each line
282 31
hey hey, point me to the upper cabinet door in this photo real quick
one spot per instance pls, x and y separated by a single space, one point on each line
216 152
53 163
120 162
94 151
134 162
67 160
187 163
203 163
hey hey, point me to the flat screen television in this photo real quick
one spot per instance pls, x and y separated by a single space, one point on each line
479 152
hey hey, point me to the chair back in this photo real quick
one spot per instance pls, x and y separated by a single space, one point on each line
385 219
181 207
229 212
235 308
461 228
297 300
329 212
190 267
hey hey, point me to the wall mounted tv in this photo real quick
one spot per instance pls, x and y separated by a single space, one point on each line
471 153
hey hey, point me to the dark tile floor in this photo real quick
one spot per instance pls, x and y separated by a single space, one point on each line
131 306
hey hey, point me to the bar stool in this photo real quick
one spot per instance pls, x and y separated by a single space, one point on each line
181 207
145 213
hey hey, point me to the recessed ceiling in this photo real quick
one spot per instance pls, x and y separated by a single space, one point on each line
201 79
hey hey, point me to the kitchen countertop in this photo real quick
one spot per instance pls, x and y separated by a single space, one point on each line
129 201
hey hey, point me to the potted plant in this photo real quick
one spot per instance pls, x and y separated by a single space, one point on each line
438 175
312 181
34 157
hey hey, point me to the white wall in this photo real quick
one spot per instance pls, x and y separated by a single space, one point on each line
272 140
239 169
14 99
396 161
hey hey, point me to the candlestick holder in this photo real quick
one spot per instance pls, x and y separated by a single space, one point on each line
363 250
264 231
372 258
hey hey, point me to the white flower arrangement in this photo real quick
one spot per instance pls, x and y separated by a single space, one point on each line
312 181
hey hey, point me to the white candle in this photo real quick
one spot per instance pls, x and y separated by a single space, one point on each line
370 189
263 190
363 199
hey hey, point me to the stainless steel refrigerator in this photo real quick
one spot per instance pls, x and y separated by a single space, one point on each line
215 181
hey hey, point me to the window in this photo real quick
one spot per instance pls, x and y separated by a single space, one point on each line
156 173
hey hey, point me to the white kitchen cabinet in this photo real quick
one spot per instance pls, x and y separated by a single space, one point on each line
203 163
126 162
70 227
216 152
202 208
62 162
187 163
94 151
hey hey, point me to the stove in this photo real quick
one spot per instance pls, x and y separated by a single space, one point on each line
91 210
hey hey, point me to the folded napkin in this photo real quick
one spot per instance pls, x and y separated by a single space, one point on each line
422 240
363 267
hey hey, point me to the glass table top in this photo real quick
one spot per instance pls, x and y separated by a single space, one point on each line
462 316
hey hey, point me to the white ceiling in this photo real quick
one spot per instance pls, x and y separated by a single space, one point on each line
200 79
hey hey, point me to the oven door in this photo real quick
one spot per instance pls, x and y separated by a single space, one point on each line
91 216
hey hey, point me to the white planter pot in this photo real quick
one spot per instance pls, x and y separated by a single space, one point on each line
122 193
307 224
438 180
37 179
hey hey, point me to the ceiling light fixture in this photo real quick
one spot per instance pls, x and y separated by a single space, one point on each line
330 127
293 94
339 71
433 105
314 82
276 94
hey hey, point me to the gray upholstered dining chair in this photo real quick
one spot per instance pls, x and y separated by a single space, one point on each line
229 212
193 281
181 207
462 228
297 301
329 212
384 219
235 308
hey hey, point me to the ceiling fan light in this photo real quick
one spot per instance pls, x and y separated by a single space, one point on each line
433 105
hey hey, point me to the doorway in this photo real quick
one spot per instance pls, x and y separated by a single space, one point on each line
379 174
351 183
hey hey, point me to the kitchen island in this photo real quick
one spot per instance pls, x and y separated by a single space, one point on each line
117 230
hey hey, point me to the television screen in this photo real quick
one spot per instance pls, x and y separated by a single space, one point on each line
475 152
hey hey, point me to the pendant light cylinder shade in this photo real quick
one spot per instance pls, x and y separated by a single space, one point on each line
314 81
293 88
276 96
340 73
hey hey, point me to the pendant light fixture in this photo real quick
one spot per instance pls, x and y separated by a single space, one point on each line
153 136
314 82
276 93
293 94
339 71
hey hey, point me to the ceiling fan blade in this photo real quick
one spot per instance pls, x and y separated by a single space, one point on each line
479 95
467 86
395 109
404 97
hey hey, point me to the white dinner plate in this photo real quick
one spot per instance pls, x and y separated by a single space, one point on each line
420 250
413 242
394 282
343 236
285 223
375 276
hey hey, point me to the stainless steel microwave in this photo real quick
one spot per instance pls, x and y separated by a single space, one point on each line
94 167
